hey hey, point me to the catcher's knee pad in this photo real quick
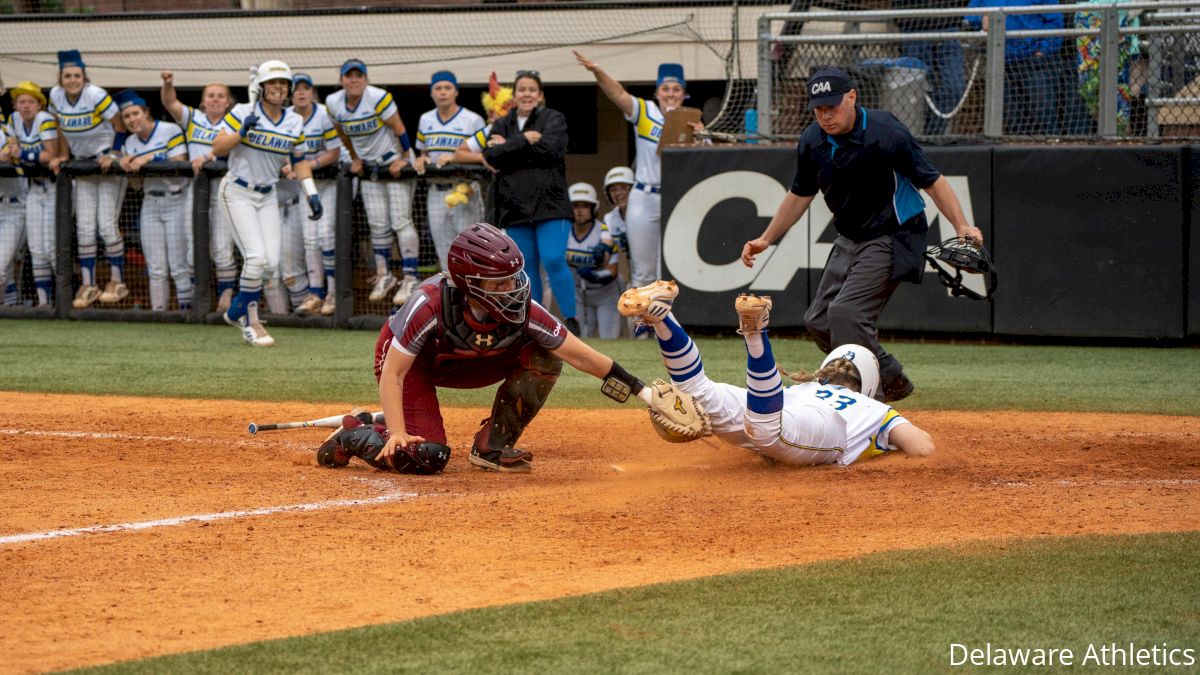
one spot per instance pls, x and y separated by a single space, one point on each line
422 459
538 359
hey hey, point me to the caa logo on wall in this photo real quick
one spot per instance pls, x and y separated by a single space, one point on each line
798 250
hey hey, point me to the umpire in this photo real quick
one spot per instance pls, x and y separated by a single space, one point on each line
869 167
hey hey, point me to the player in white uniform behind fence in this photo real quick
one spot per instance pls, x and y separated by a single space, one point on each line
308 261
12 215
618 183
591 254
35 135
88 120
200 127
439 133
264 137
368 117
824 419
645 202
163 235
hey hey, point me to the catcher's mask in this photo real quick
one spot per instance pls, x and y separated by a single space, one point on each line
963 255
486 264
864 361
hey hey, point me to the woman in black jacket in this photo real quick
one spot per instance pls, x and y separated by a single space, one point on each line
527 148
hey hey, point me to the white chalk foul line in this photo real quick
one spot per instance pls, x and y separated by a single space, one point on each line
203 518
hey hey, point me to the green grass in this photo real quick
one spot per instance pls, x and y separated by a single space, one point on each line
325 365
887 612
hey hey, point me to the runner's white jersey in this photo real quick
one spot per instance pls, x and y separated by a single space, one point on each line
319 132
478 141
164 141
867 421
258 158
436 137
615 223
200 132
85 123
363 123
579 251
9 187
647 121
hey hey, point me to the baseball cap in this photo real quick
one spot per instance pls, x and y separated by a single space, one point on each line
827 86
670 72
354 64
70 57
127 98
443 76
302 77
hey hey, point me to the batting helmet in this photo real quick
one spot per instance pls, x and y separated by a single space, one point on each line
864 361
583 192
486 264
267 71
618 175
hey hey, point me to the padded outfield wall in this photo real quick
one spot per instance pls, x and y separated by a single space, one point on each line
1090 241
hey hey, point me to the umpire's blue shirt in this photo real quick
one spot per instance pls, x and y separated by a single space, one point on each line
870 178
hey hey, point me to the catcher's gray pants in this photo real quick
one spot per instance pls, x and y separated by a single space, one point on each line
446 223
854 289
597 309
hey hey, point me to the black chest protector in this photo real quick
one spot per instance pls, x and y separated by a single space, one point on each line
457 339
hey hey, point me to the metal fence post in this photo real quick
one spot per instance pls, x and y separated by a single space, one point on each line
344 245
64 236
993 102
201 238
765 84
1110 52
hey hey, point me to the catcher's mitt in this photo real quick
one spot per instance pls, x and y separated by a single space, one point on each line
963 255
675 415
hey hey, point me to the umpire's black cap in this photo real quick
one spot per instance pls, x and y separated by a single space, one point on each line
827 86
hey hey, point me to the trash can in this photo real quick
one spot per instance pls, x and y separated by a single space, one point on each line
903 85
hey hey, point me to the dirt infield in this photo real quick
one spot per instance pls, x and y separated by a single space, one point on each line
276 546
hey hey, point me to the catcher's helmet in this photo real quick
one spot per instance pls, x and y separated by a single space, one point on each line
963 255
486 264
864 361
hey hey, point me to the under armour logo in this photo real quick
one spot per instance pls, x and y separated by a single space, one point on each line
822 88
484 340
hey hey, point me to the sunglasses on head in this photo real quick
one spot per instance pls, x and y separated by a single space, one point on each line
529 73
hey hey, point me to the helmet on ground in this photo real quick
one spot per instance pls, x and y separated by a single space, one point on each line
485 264
583 192
864 361
270 70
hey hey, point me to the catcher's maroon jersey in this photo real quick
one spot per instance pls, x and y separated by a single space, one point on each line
427 328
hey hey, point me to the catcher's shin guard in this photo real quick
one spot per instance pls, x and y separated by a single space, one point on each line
518 400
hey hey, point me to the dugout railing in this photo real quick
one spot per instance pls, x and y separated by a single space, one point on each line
353 269
1122 71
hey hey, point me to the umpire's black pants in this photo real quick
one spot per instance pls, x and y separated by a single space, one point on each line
854 289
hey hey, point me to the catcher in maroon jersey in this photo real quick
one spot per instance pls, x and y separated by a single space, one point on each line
475 329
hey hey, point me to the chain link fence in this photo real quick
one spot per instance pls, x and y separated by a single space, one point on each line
1082 72
166 256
